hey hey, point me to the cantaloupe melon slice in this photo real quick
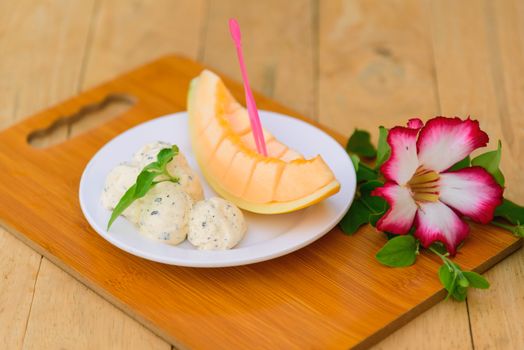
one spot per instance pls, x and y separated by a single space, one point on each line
224 147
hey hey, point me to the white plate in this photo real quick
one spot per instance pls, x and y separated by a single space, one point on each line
268 236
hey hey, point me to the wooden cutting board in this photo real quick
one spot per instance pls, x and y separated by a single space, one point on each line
331 294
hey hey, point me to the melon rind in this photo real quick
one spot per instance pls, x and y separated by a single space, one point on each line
243 178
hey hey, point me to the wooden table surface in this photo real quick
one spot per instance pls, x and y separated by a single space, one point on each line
346 64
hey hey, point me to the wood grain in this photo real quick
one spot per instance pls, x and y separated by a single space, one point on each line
41 48
18 270
280 57
425 331
70 318
329 294
44 47
377 67
44 38
505 35
496 316
479 65
127 34
40 65
375 64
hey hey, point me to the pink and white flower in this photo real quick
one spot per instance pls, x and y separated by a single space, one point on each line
420 189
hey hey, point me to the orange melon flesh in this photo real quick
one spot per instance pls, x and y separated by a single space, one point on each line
224 147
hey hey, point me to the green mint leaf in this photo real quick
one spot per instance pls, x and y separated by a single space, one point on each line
383 149
355 160
398 252
154 167
491 161
365 173
464 163
145 181
126 200
166 155
510 211
476 280
357 216
360 144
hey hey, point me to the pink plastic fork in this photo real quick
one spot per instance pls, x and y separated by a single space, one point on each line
256 126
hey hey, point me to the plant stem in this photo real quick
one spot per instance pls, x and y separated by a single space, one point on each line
504 226
443 257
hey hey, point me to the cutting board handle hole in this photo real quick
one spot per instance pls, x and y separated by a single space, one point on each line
85 119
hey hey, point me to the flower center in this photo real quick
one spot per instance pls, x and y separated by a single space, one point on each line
424 185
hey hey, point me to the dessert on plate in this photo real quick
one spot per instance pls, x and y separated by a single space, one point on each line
223 142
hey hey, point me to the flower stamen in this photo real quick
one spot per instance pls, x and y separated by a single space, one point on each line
424 185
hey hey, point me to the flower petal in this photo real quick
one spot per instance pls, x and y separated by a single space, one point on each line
415 123
403 161
402 208
471 191
435 221
445 141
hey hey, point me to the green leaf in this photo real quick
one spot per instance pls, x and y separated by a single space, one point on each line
463 281
383 149
365 173
491 161
456 281
476 280
365 208
145 181
166 155
460 293
122 205
377 205
519 230
360 144
369 186
357 216
398 252
464 163
374 218
446 277
510 211
155 167
355 160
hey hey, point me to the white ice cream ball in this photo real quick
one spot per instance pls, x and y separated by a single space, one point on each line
118 181
216 224
147 154
188 178
164 214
